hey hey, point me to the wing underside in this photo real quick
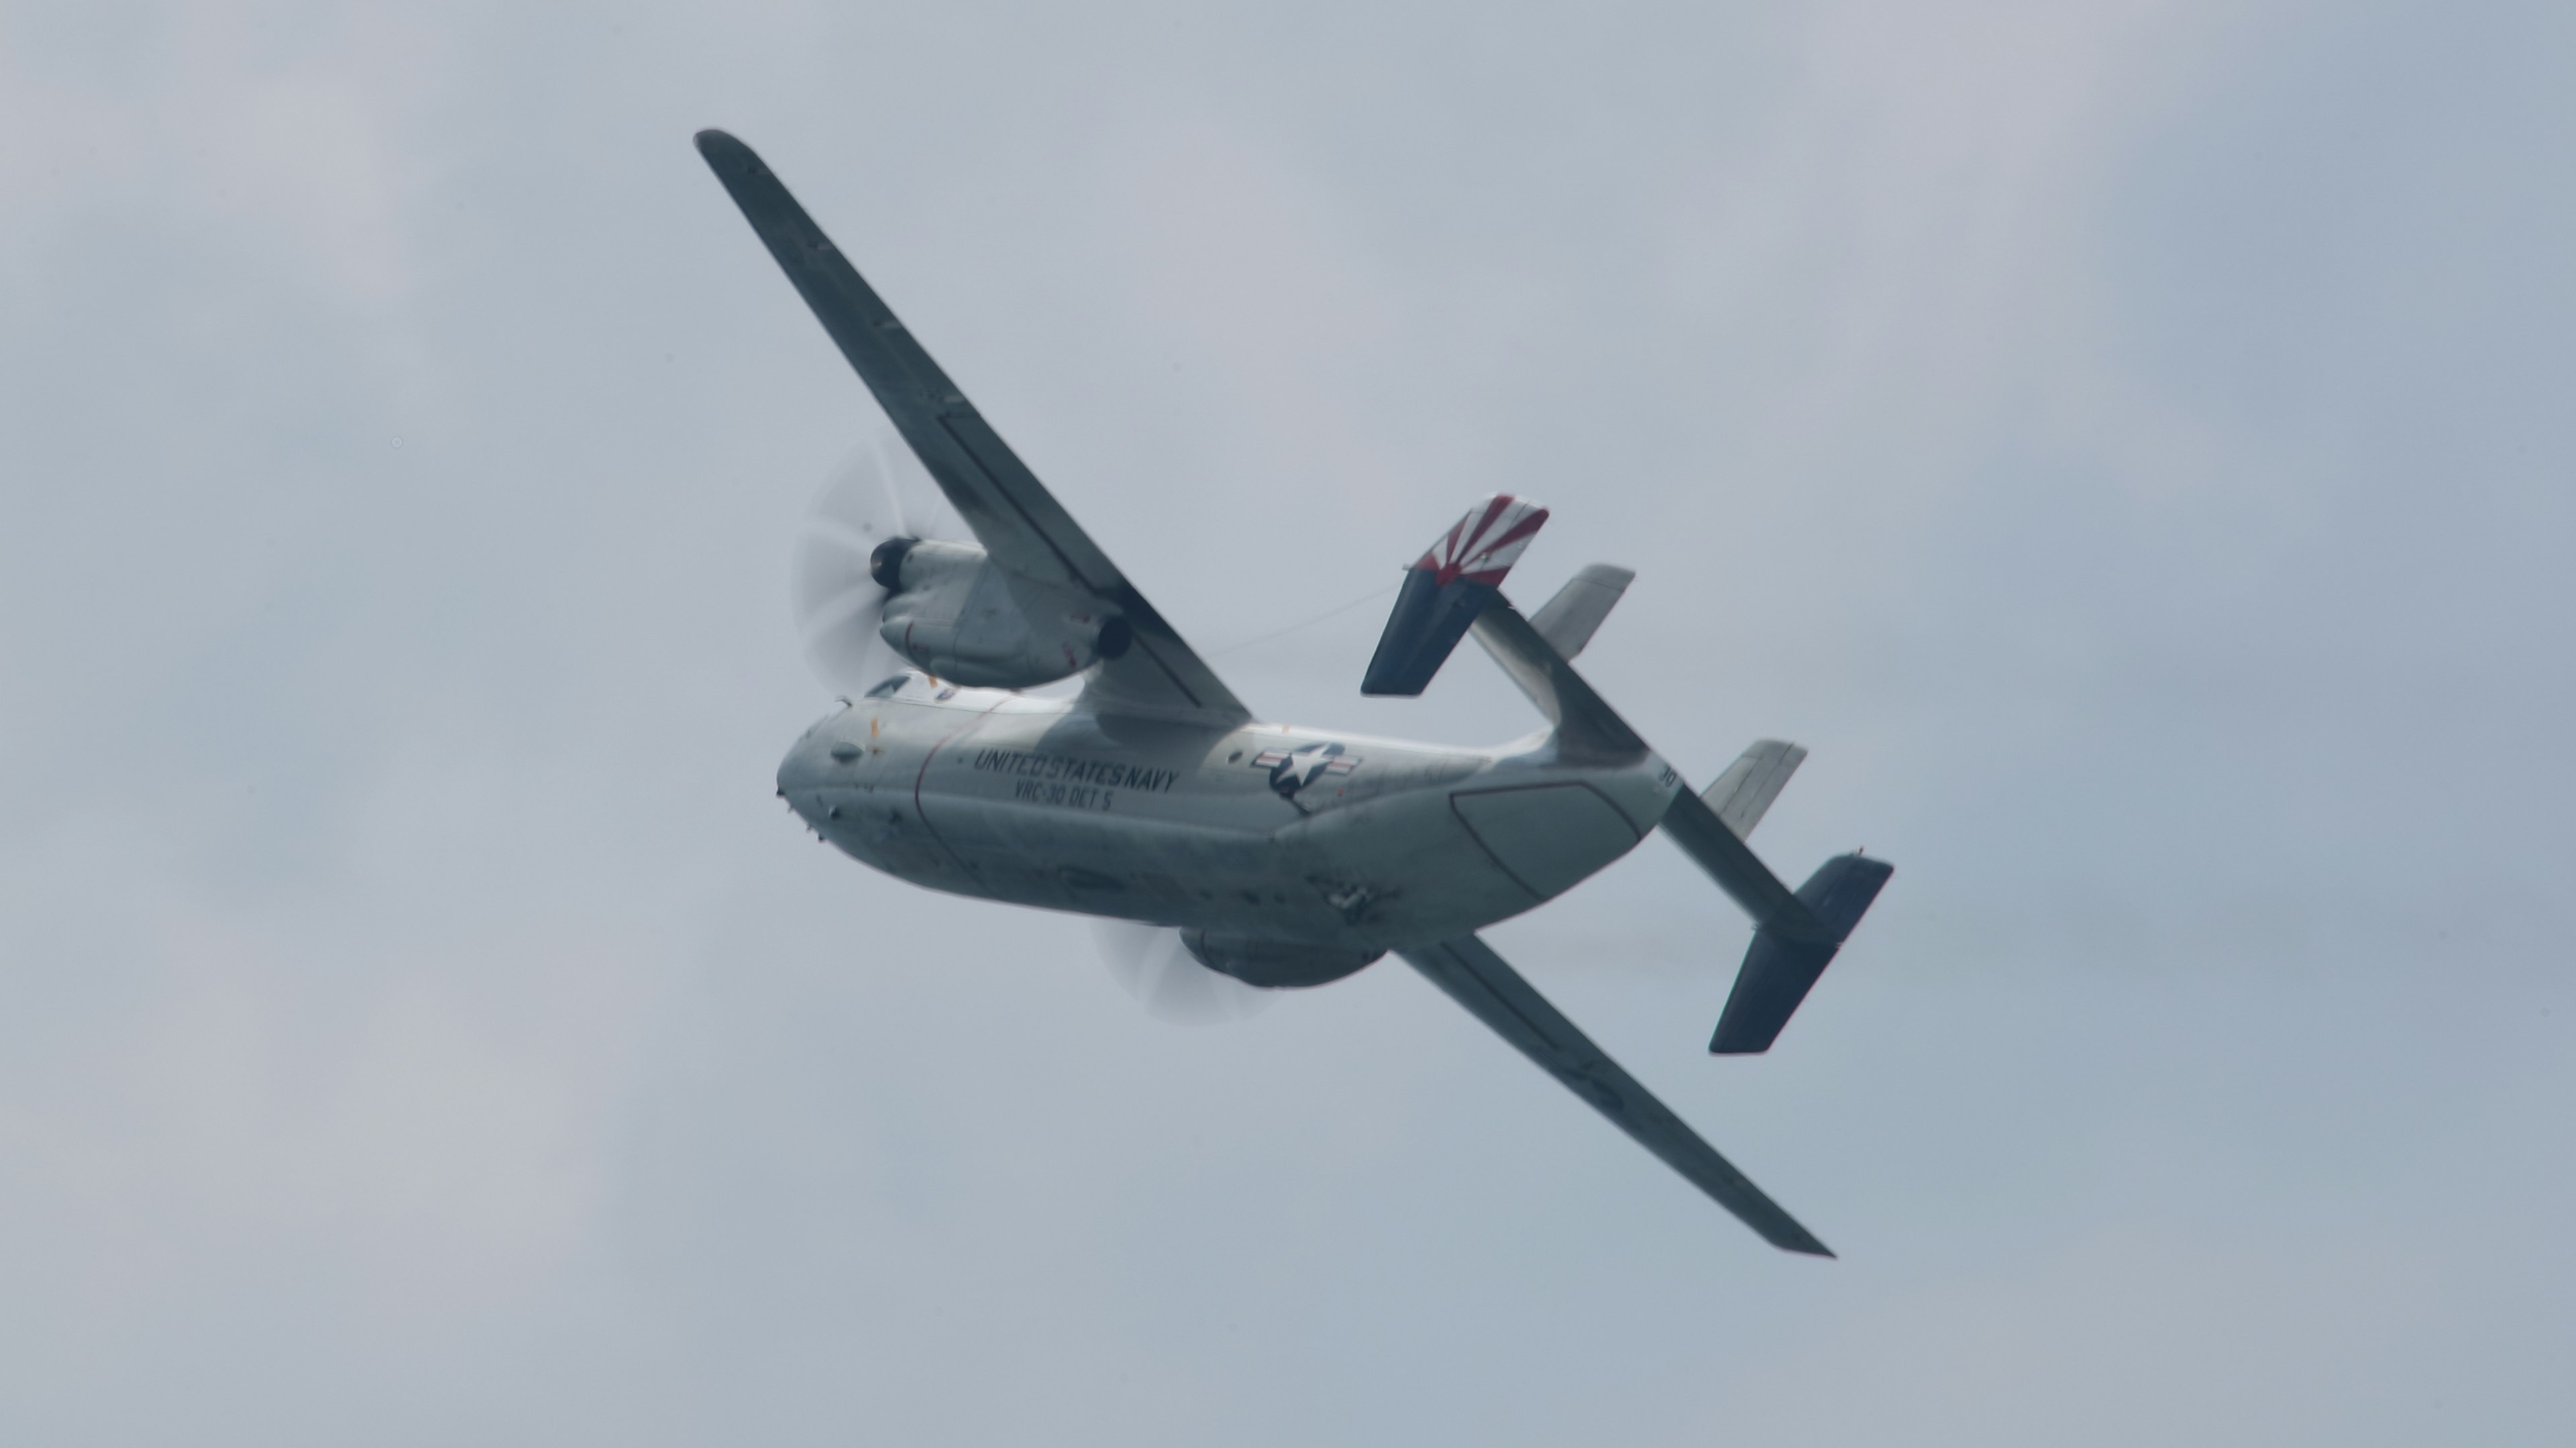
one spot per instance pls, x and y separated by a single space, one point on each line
1477 978
1019 523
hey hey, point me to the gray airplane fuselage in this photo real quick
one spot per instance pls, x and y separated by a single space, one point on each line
1260 831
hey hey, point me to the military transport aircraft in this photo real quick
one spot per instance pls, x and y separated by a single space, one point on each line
1277 857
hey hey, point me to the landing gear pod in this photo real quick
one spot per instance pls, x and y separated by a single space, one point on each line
1443 593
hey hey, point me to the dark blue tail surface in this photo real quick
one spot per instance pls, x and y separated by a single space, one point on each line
1779 970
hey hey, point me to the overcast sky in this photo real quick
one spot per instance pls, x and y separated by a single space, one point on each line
2129 442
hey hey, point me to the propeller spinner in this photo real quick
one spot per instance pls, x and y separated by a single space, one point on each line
880 496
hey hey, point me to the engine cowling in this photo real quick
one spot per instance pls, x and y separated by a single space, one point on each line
954 614
1273 964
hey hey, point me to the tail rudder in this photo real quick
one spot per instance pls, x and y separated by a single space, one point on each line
1569 620
1456 586
1779 968
1446 589
1796 934
1743 794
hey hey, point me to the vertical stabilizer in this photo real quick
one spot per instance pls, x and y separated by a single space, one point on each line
1744 793
1446 589
1780 968
1569 620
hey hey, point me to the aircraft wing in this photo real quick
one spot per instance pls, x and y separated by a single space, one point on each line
1477 978
1021 526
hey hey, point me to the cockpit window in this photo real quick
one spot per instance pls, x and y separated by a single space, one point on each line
889 687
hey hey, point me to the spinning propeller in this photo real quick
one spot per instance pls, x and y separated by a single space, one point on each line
1157 969
882 493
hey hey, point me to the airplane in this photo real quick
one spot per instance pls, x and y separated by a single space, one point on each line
1278 857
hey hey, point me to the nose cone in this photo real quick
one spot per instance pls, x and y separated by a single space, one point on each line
808 767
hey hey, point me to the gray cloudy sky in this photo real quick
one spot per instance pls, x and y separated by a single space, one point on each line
2129 442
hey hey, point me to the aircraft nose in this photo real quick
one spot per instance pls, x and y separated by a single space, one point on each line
809 766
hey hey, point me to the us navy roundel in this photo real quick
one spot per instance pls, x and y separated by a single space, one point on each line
1293 769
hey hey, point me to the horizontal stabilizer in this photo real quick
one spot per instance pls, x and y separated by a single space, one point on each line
1585 724
1781 968
1446 589
1569 619
1744 793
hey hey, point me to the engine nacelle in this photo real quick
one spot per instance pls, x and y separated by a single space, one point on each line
1274 964
956 615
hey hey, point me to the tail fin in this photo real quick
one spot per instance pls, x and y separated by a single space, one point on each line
1445 591
1744 793
1457 586
1795 934
1780 969
1569 619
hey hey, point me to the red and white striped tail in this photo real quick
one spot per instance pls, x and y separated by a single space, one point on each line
1484 545
1443 594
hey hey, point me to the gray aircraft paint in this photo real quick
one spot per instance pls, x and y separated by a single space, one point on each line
1027 800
